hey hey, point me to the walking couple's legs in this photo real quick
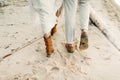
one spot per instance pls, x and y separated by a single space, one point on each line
70 20
47 10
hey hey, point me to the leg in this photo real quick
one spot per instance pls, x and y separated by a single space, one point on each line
84 22
70 20
58 12
46 12
47 15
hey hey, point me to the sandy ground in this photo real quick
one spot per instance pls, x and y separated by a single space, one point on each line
22 49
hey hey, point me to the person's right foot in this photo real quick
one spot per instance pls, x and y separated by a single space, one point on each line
83 41
70 48
49 46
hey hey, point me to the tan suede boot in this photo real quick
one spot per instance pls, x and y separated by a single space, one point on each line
49 46
54 30
59 11
70 48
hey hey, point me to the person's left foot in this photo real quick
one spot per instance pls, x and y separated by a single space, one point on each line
83 41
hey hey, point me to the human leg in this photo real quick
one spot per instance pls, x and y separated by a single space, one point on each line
70 20
84 22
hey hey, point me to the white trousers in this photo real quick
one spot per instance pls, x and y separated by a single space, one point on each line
70 17
48 8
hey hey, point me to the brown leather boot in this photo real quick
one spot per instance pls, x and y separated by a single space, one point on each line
59 11
54 30
70 48
49 46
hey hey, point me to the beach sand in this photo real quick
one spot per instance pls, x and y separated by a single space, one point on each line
22 49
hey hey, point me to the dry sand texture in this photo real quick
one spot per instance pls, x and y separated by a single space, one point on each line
22 50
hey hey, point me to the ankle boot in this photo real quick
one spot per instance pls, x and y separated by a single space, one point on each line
54 30
49 46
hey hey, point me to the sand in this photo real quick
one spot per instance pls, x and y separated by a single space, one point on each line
22 49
